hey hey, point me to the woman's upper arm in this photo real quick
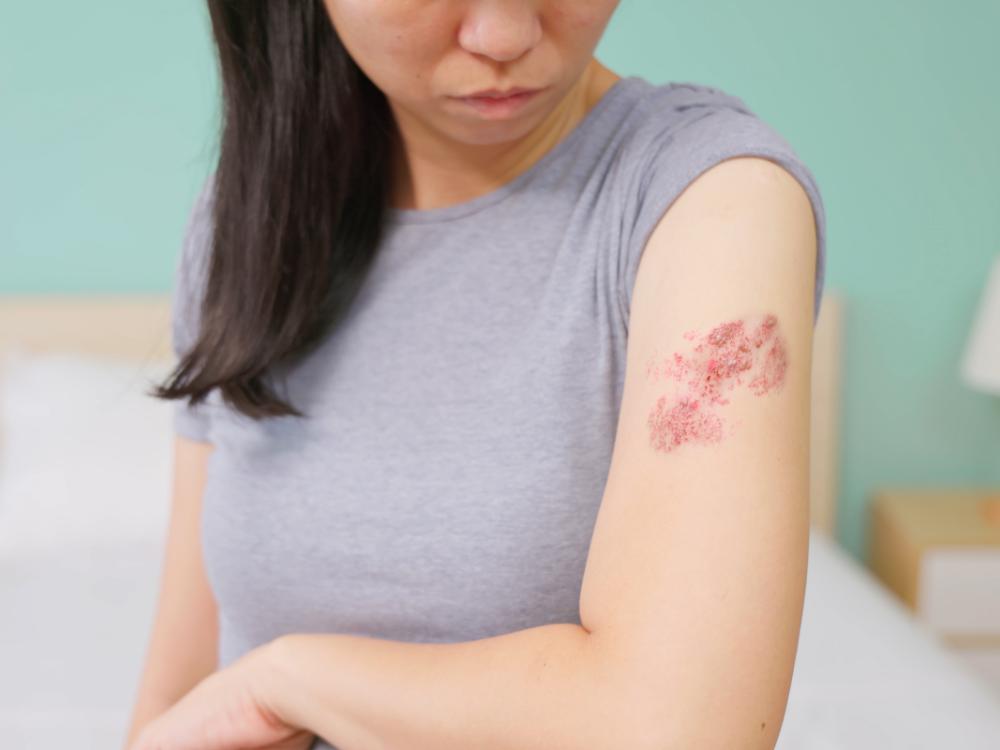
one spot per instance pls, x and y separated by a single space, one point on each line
187 604
183 646
694 583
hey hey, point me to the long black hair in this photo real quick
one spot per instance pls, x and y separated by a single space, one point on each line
299 197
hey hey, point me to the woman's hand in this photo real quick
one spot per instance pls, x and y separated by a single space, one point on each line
225 711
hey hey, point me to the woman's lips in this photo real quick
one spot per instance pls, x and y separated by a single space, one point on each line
499 107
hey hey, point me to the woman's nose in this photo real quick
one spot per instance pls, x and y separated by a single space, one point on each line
501 29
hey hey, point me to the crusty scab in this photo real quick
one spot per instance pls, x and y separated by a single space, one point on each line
733 354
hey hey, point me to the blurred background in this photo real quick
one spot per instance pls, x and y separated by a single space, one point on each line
108 127
109 115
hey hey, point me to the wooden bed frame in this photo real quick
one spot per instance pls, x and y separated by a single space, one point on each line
137 327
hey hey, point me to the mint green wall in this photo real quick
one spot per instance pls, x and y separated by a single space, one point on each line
109 110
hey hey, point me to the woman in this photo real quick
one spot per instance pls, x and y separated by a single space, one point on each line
418 353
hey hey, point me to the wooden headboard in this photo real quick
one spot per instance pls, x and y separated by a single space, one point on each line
138 327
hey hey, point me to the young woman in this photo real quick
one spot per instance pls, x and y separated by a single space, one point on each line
494 429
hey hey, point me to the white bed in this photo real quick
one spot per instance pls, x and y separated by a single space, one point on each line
84 494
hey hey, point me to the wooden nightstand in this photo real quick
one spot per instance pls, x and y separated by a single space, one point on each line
939 550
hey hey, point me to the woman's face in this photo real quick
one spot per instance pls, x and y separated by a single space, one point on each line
423 53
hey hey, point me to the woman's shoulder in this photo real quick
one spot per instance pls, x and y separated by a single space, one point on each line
679 131
683 114
680 96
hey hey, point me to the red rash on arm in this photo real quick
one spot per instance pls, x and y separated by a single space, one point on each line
727 357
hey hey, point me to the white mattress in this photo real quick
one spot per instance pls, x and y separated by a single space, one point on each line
869 676
74 630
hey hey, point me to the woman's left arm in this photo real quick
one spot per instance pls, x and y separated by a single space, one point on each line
533 689
693 590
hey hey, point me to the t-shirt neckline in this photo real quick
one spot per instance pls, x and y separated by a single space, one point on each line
457 210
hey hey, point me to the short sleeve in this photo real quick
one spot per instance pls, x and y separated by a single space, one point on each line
192 421
705 126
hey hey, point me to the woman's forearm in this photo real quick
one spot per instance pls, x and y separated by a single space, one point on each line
542 688
146 708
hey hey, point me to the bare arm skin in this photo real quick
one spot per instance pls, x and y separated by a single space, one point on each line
183 645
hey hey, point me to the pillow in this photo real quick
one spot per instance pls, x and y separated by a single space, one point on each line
85 455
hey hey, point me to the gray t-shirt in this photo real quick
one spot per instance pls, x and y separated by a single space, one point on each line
446 482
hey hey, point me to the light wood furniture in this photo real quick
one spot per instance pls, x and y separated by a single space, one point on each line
938 550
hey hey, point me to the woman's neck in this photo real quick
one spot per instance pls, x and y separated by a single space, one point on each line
431 173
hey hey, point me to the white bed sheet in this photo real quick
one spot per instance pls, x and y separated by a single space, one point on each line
867 677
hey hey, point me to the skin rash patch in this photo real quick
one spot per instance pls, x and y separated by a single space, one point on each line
732 355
